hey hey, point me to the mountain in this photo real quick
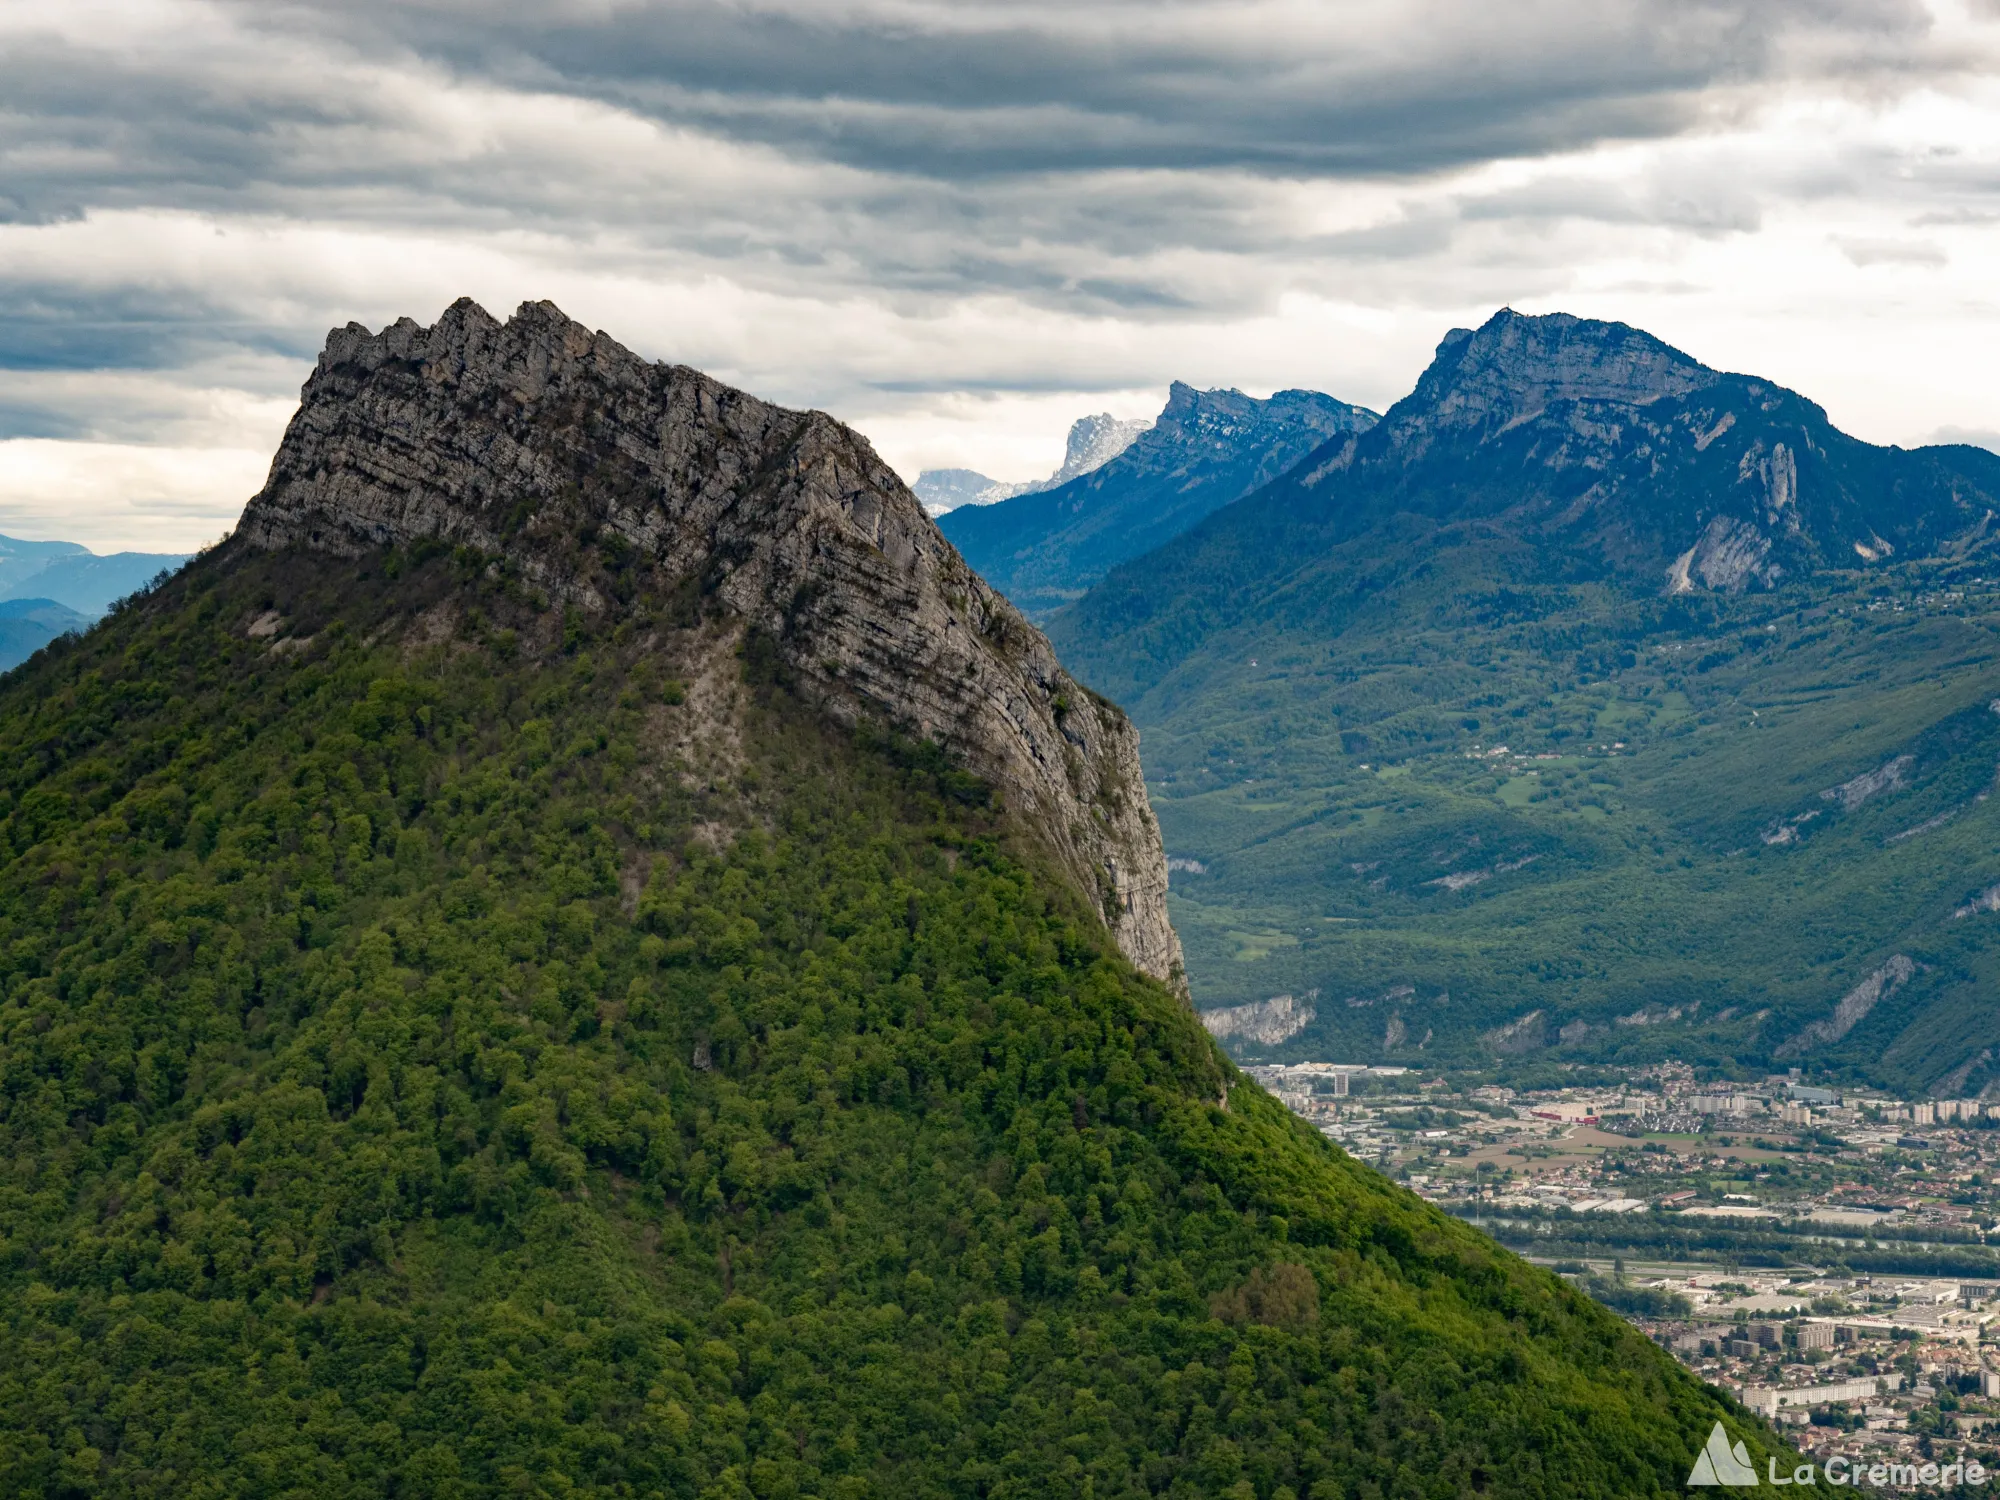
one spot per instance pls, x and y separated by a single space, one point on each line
1594 705
1207 449
947 489
27 625
1093 442
74 576
21 560
90 584
583 951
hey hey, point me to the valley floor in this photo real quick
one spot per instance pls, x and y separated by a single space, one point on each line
1826 1256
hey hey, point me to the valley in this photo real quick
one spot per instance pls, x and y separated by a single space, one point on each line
1823 1255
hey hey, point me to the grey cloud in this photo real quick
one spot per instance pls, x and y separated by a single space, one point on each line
48 326
943 90
1053 153
1702 207
938 93
1887 252
1123 161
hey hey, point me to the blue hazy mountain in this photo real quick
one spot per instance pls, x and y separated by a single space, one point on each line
1207 448
74 576
27 625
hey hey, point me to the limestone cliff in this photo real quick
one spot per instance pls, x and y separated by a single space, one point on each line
518 439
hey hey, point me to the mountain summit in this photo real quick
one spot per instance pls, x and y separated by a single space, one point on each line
574 956
585 468
1513 367
1093 442
1552 448
1609 450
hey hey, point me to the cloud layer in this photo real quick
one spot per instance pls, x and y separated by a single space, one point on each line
959 225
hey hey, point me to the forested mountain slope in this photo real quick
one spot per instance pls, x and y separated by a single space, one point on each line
1207 448
1594 703
493 1000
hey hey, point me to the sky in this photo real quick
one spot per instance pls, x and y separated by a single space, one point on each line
960 226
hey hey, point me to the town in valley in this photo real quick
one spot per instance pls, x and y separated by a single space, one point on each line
1827 1254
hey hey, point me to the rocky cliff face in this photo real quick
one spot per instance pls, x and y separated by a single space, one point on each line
1093 442
518 439
1513 367
1613 453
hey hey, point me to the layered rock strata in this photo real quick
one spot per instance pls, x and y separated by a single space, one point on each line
518 438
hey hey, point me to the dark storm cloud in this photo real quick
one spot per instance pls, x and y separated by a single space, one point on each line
948 90
1060 154
46 325
940 94
840 198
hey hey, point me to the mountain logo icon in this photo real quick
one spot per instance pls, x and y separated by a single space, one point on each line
1718 1463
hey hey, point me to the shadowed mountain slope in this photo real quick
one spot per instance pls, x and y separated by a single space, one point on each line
27 625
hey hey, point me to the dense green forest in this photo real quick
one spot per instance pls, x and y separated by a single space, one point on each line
451 1046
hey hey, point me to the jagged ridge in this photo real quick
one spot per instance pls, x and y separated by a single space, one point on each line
1207 449
518 439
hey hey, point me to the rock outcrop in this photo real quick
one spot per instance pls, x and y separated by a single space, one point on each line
518 439
1093 442
1853 1007
1514 367
1268 1022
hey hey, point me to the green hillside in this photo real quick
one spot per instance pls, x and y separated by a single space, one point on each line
459 1047
1609 887
1680 853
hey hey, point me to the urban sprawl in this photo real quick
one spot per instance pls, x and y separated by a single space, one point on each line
1821 1252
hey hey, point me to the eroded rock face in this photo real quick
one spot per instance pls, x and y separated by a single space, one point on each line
1268 1022
1602 445
1516 366
516 438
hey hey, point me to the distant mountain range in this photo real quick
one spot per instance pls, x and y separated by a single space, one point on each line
1207 449
1093 442
27 625
1593 704
48 588
75 576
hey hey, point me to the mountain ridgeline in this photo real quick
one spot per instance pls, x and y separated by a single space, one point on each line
73 576
48 589
1207 449
1593 704
583 952
1093 442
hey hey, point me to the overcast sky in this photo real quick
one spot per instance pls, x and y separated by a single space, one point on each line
959 226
